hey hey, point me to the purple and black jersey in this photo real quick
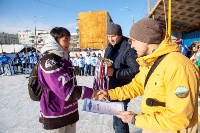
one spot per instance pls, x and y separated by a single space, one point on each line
59 105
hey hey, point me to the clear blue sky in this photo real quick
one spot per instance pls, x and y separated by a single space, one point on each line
19 15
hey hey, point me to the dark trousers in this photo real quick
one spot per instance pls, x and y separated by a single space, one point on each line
17 67
31 65
81 71
118 125
76 69
92 70
24 65
87 69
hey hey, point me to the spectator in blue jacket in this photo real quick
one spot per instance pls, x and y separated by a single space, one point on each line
93 63
35 58
81 64
183 48
5 60
75 64
87 64
30 60
16 63
24 61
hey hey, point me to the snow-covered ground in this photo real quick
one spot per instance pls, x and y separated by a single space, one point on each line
18 114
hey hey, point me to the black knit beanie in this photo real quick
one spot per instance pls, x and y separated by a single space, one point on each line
147 30
114 29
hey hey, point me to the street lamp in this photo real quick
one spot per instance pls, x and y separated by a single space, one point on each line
130 12
1 47
35 40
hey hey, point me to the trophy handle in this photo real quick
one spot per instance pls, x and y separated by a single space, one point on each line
106 60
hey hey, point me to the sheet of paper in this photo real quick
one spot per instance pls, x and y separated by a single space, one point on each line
102 107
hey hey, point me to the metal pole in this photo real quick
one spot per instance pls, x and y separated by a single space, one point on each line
35 36
26 49
1 48
131 13
149 7
169 18
14 47
26 60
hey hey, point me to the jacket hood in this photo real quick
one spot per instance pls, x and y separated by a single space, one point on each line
165 47
52 46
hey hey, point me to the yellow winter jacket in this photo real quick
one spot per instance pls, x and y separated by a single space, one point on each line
174 71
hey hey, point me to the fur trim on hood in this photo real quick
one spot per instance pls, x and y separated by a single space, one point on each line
52 46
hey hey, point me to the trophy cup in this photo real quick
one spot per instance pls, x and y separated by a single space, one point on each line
101 79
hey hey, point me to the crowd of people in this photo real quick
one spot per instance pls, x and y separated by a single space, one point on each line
85 66
20 64
192 52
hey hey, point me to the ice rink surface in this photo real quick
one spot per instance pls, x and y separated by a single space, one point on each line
18 114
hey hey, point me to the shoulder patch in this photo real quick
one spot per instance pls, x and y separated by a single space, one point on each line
51 62
181 92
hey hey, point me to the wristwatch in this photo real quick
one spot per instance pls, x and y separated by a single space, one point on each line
133 119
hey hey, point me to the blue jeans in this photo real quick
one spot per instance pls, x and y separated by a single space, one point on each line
118 125
87 69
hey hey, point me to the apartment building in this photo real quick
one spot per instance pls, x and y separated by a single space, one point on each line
26 37
40 37
74 41
6 38
31 38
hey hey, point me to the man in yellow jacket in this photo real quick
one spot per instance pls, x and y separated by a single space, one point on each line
170 97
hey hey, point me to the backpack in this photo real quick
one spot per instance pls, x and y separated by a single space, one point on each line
34 88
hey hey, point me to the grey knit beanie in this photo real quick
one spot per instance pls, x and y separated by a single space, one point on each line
114 29
147 30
